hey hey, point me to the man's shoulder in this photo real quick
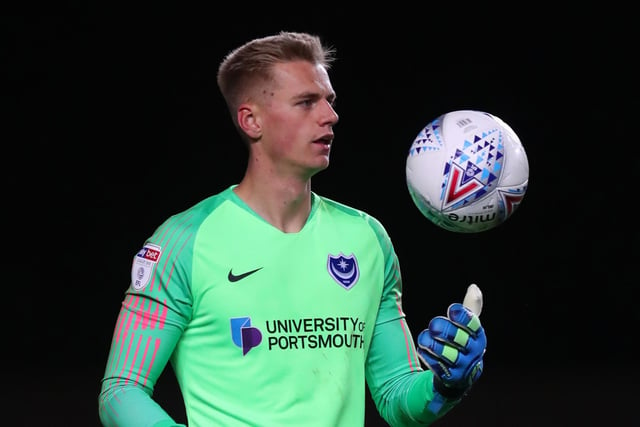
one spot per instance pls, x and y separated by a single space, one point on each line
210 202
343 208
329 203
193 214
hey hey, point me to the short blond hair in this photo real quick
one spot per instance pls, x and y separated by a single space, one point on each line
254 61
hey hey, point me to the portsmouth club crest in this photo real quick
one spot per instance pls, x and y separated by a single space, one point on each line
343 269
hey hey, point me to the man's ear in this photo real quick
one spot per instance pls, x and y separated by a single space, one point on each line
249 121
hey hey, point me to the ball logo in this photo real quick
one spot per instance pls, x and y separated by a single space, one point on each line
511 200
244 335
474 169
461 183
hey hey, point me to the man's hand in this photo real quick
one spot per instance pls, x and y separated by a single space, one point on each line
453 346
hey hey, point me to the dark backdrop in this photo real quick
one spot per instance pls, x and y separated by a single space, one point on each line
114 122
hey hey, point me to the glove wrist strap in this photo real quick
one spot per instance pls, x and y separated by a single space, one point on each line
451 393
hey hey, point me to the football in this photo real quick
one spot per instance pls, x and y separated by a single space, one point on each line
467 171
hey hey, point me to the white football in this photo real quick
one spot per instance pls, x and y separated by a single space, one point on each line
467 171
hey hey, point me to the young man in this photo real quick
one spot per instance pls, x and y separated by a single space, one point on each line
274 305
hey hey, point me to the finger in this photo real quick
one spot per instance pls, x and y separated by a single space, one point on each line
473 299
435 363
434 352
446 332
464 318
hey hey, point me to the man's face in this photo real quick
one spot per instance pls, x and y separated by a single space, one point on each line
296 116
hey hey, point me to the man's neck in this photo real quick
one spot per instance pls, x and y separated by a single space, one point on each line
285 204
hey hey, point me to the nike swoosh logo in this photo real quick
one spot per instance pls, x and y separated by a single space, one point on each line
235 277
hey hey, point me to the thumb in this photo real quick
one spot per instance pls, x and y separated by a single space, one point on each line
473 299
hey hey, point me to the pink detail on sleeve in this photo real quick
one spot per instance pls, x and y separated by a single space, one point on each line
153 358
125 304
142 317
124 330
126 358
163 270
128 300
144 357
139 313
150 318
167 256
117 330
134 358
163 317
407 341
154 316
173 265
167 228
113 412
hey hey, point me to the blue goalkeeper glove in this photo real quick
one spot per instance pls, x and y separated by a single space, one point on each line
453 346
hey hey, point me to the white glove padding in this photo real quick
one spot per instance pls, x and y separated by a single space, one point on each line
473 299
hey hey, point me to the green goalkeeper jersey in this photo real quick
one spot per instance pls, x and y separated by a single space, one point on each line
266 328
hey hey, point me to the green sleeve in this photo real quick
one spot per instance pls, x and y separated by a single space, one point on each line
139 353
154 313
401 389
403 393
131 406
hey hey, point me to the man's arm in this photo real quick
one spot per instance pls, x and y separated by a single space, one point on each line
401 389
144 337
405 394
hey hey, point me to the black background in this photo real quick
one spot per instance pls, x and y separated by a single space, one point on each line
113 122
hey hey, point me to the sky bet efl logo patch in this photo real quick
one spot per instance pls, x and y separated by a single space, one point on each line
143 264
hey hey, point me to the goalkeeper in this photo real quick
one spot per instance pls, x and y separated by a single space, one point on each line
276 306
